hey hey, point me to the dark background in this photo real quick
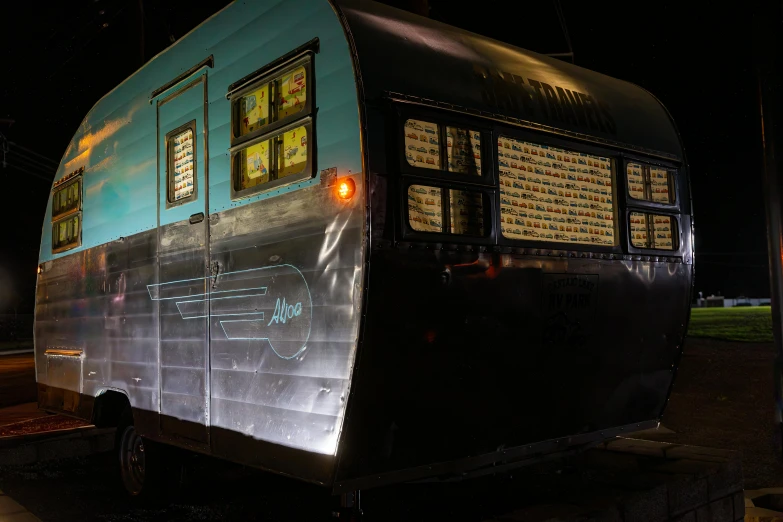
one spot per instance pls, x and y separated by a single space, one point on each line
57 60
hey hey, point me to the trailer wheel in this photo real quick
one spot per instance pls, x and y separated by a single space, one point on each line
139 459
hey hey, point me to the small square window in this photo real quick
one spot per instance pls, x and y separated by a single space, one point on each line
66 233
272 100
67 199
279 157
653 231
422 144
649 183
427 207
426 147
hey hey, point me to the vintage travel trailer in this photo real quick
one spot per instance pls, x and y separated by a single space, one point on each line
361 247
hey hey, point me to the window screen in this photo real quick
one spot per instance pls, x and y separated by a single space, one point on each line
428 143
273 130
66 232
650 183
553 194
653 231
429 208
181 165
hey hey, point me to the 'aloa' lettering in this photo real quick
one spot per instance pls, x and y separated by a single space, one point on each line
284 312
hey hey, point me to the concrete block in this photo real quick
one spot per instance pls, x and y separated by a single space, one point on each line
686 494
651 505
725 481
720 510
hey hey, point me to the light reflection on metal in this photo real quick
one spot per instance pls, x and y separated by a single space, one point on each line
281 290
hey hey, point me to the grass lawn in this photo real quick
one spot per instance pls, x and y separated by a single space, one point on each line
752 323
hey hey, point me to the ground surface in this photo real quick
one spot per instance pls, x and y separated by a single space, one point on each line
732 324
723 397
17 380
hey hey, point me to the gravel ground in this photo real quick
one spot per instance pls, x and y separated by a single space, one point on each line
723 397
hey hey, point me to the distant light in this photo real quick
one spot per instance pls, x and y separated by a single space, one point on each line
105 25
40 269
346 189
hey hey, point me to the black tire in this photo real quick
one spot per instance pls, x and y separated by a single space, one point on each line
142 466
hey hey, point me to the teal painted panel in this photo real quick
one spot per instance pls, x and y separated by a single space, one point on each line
117 142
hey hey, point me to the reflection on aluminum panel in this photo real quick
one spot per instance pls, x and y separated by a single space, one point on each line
270 304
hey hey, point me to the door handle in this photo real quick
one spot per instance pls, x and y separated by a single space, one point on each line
196 218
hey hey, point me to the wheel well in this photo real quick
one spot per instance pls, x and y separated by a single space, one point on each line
109 405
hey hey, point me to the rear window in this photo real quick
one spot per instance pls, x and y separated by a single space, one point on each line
650 183
653 231
449 211
554 194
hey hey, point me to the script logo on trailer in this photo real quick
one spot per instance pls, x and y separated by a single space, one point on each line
270 304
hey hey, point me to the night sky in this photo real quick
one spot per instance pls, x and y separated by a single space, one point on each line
59 60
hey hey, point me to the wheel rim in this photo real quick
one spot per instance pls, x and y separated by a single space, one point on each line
132 460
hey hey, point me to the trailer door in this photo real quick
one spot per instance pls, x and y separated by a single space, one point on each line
183 274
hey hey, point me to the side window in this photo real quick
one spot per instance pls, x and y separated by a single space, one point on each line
181 164
428 144
272 129
650 183
66 212
446 211
653 231
445 188
553 194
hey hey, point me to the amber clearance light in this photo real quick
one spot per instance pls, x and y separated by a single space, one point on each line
346 189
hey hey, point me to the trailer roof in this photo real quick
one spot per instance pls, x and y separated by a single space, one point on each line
405 56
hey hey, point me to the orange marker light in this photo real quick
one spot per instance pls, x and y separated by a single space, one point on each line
346 189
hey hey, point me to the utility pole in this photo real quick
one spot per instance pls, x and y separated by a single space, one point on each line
767 26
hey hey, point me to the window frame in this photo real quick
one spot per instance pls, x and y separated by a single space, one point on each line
74 244
307 172
171 203
77 179
443 120
676 238
446 236
303 118
674 176
441 178
520 134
